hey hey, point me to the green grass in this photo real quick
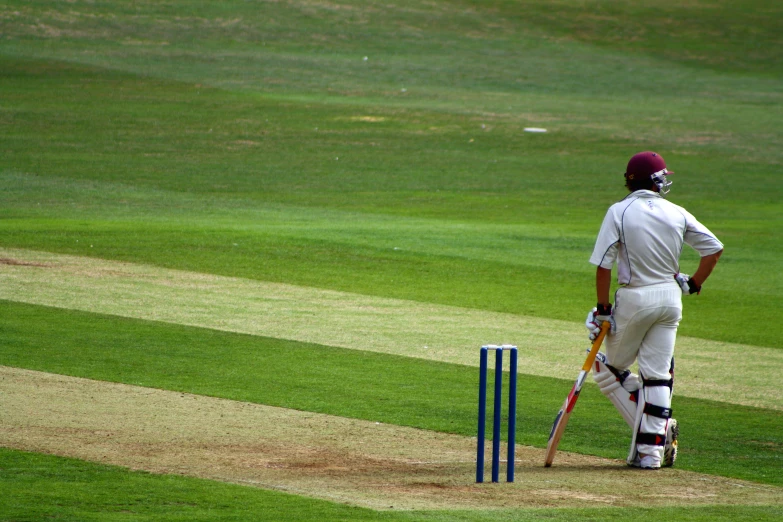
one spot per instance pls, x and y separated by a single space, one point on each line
40 487
446 49
155 165
717 438
721 35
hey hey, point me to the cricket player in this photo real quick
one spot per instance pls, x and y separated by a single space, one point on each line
643 235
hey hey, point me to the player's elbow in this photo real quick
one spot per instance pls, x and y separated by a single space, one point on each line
714 256
709 261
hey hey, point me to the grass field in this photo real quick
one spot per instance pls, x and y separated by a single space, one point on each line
351 187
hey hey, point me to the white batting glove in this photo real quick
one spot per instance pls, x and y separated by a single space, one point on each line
596 317
687 286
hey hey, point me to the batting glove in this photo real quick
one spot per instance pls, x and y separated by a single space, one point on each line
687 286
596 317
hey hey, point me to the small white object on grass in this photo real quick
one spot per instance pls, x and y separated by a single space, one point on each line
534 129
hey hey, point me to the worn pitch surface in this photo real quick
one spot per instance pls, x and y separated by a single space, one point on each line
345 460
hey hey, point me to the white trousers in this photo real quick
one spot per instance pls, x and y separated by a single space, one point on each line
647 319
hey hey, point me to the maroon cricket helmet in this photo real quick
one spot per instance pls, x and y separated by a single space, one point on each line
649 165
645 165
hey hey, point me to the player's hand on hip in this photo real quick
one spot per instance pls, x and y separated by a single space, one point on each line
596 317
687 285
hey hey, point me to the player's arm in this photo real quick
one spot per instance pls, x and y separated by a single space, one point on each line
603 310
603 282
706 266
709 247
605 253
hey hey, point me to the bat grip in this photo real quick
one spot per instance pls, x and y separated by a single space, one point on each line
605 326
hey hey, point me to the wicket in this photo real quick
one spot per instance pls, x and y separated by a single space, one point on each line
482 412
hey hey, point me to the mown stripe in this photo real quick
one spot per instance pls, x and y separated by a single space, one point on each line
737 374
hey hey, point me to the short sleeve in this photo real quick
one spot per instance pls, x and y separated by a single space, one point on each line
699 237
606 245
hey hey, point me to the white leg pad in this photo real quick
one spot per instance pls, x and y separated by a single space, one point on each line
632 454
652 418
614 390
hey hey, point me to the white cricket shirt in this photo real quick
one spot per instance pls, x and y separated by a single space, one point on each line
644 234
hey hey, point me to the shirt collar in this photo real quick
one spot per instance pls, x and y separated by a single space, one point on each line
647 193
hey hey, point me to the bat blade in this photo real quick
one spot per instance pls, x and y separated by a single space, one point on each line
561 420
557 432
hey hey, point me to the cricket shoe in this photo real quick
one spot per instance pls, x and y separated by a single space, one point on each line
650 462
645 462
669 451
670 447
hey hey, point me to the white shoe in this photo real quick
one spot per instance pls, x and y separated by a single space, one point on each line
645 462
670 448
650 462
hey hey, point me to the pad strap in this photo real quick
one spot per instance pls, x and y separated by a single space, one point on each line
651 439
648 383
621 376
657 411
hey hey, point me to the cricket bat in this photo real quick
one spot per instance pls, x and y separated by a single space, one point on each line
568 406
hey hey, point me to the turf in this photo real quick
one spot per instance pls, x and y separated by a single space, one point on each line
161 166
725 37
39 487
717 438
254 139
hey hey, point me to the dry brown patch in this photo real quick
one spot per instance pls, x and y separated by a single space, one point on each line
346 460
367 119
17 262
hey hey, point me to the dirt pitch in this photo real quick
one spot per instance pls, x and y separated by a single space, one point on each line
345 460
